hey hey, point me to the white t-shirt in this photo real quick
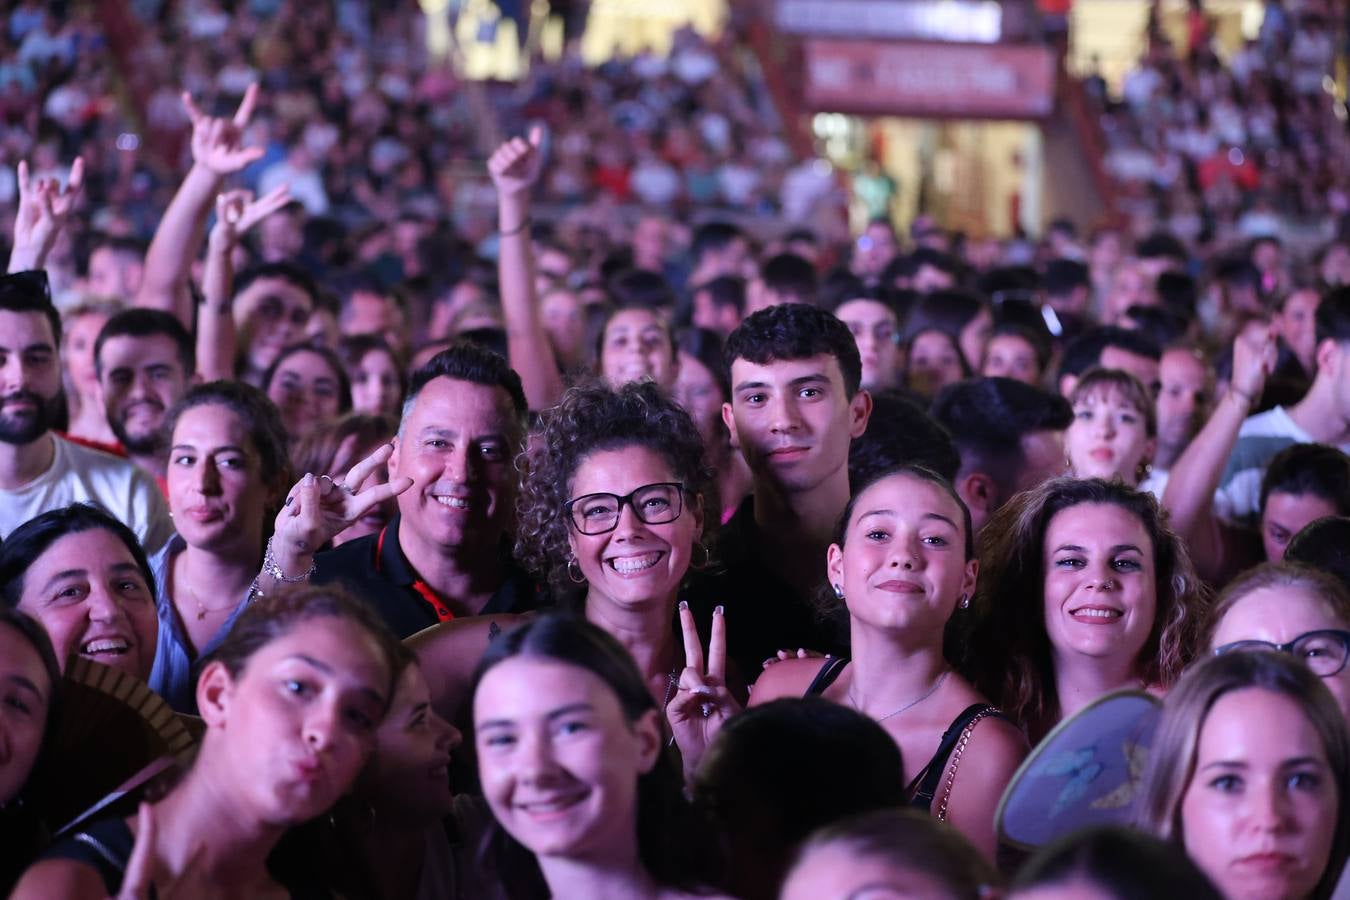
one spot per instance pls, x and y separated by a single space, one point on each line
82 475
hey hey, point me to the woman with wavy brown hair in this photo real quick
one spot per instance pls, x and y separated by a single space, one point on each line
1083 590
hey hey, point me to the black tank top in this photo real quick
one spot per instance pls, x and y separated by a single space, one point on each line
924 787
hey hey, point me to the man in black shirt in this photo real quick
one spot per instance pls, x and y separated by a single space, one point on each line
447 552
796 405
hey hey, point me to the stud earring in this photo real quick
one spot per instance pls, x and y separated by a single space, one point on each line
965 601
838 592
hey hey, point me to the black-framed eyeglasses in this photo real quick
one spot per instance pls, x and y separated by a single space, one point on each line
1325 652
654 504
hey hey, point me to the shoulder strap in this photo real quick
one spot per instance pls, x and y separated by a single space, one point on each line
104 846
826 676
924 786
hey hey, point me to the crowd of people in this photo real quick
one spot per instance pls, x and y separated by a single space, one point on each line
585 554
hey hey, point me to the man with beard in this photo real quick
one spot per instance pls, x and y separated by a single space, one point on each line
144 361
40 471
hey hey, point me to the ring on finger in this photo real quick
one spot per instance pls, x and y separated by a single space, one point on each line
706 709
346 488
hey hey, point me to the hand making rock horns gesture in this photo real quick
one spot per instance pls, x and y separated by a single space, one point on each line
317 508
702 703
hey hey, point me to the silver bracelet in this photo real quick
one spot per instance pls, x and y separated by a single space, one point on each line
270 567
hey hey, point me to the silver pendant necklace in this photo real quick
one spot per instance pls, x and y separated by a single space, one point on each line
910 705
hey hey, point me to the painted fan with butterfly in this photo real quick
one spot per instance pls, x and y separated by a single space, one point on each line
111 728
1086 771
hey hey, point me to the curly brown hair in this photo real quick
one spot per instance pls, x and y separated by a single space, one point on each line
591 418
1007 652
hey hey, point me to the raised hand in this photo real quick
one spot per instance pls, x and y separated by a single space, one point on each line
138 882
702 703
319 508
237 211
44 206
218 144
515 165
1254 357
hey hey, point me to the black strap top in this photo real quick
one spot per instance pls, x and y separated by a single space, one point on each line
105 846
924 787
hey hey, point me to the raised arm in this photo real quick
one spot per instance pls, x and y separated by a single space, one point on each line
217 151
236 213
1189 498
515 169
44 207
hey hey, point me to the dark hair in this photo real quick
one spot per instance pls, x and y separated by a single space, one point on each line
667 851
936 259
611 311
1008 655
1063 276
1085 351
988 417
284 271
713 236
725 290
947 311
589 419
467 361
1325 545
920 473
31 630
791 276
1161 325
1316 470
791 331
641 288
1332 320
352 348
1034 338
750 783
25 544
277 614
261 420
140 322
900 431
914 841
706 347
29 292
317 451
328 356
1161 244
1179 295
1125 863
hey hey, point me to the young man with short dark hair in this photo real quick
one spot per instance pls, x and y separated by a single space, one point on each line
796 405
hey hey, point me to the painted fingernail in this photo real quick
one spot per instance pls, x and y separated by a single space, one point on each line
684 604
717 610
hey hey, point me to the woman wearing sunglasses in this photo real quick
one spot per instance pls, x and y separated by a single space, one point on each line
1292 608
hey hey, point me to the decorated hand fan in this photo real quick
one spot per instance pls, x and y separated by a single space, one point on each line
112 726
1085 772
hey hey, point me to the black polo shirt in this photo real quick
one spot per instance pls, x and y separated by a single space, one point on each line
380 574
764 612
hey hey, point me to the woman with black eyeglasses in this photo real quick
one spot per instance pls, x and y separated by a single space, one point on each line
612 512
1293 608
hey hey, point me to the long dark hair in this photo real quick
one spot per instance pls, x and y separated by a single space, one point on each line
668 842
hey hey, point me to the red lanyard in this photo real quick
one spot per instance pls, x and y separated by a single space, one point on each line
423 589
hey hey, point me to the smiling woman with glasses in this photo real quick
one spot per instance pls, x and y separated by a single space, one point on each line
1291 608
613 509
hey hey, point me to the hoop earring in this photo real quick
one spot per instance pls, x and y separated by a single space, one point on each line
698 566
574 571
965 601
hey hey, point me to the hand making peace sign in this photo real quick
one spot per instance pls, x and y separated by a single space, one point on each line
702 703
